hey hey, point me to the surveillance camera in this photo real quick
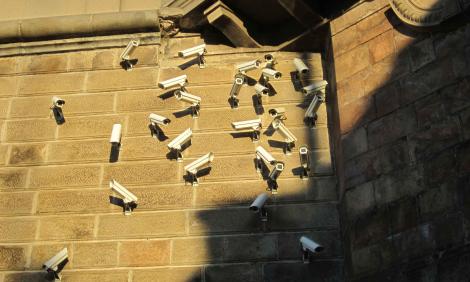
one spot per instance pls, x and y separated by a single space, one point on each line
309 246
312 109
279 113
179 81
194 100
125 55
157 119
237 85
315 87
193 167
273 175
116 134
300 66
199 51
57 102
261 90
270 73
304 161
264 155
54 264
289 138
128 198
176 144
258 205
252 125
269 58
251 65
130 48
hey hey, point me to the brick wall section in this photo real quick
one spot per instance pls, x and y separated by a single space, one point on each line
403 103
54 179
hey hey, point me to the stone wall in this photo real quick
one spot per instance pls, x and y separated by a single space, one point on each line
404 127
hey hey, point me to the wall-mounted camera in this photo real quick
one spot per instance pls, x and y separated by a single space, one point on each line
269 74
194 100
193 168
278 113
179 81
156 121
309 247
289 138
253 125
238 81
129 199
263 155
304 161
176 145
198 51
243 68
54 265
127 63
310 116
258 206
316 87
57 104
274 175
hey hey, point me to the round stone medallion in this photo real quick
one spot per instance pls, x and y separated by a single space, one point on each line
425 12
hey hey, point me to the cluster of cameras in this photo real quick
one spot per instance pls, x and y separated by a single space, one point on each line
263 158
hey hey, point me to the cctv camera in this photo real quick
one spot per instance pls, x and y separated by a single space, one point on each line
176 144
125 55
251 65
264 155
157 119
252 125
116 135
128 198
258 205
273 175
194 100
312 109
261 90
279 113
300 66
304 161
193 167
289 138
237 85
57 102
55 264
270 73
309 247
198 51
315 87
269 58
179 81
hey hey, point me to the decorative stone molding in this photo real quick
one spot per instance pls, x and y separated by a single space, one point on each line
425 13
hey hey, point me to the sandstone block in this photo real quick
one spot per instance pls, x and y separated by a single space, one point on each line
198 250
250 248
381 47
25 130
372 227
60 176
403 215
76 127
31 107
46 63
66 228
173 274
373 25
354 143
223 221
12 257
397 185
351 62
58 202
79 151
93 255
105 59
345 40
27 154
355 114
208 75
13 178
79 61
120 79
144 253
9 65
437 200
421 54
41 253
17 230
51 83
297 271
96 275
359 199
16 203
138 225
387 99
8 86
4 103
147 55
302 216
145 173
372 257
235 273
24 276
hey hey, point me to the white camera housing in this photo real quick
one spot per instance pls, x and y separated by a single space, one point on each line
269 58
304 161
289 138
264 155
261 89
271 74
52 265
57 102
198 51
130 48
315 87
309 247
258 206
251 65
273 175
116 134
313 107
239 79
187 97
279 113
179 81
300 66
177 143
193 167
158 119
252 125
128 198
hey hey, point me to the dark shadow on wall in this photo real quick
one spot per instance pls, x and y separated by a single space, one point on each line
403 153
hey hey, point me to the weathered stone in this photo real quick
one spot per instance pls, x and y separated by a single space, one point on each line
95 255
371 228
96 275
372 257
42 252
421 54
119 80
345 40
354 143
351 62
236 273
51 83
4 104
385 72
144 253
298 271
12 257
456 96
414 242
357 113
359 199
437 200
225 220
198 250
174 274
351 89
448 231
397 185
381 47
403 215
387 99
302 216
66 228
46 63
16 203
250 248
79 151
105 59
17 230
13 178
77 127
24 130
60 176
8 86
27 154
373 25
25 277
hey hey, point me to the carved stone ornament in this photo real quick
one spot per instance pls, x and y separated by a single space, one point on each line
424 13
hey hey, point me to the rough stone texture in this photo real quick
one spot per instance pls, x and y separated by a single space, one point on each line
403 131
